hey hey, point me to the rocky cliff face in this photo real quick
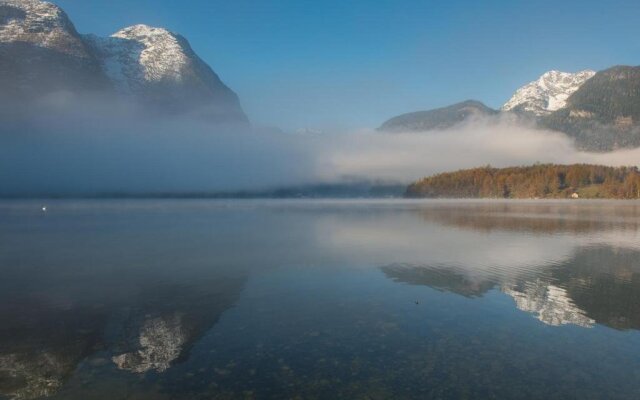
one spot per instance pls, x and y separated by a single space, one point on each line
548 93
160 69
41 53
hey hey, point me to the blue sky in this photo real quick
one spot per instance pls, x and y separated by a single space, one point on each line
336 64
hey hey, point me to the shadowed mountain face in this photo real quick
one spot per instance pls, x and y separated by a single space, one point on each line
604 113
161 70
441 118
42 54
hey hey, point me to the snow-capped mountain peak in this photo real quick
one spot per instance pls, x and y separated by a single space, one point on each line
141 31
156 68
141 54
41 24
21 17
162 54
548 93
160 67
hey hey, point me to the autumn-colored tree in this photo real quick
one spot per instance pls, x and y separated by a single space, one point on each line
540 180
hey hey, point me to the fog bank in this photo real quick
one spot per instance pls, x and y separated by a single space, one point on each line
54 155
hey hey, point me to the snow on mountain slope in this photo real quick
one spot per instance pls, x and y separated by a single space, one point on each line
42 53
142 54
41 24
547 94
159 67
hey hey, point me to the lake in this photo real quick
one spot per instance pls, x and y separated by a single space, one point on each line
319 299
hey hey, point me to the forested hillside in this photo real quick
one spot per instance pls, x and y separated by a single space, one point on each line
537 181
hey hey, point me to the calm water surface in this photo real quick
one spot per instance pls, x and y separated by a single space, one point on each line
199 299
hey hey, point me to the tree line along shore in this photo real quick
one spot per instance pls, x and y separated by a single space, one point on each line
528 182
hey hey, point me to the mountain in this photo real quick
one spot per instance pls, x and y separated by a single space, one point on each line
160 69
599 110
536 99
548 93
604 113
42 53
441 118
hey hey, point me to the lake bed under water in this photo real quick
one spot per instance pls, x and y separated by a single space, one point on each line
319 299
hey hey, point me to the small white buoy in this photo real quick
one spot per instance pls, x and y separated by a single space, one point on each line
44 209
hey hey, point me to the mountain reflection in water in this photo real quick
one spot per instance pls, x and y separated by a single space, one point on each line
549 303
598 283
319 299
43 345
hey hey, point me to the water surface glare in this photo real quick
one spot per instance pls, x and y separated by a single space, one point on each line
319 299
